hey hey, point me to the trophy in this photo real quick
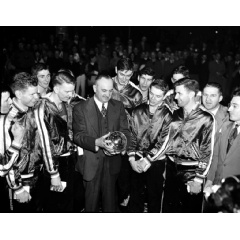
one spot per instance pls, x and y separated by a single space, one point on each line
118 142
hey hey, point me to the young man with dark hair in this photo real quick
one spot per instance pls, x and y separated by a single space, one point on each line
148 120
188 148
129 94
41 71
145 78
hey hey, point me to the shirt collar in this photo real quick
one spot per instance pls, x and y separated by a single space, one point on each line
99 104
214 112
17 106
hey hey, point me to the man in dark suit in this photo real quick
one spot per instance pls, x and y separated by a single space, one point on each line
92 122
211 98
226 153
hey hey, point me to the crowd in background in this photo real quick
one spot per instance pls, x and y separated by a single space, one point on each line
205 61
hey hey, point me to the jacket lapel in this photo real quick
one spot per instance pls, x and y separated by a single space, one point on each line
111 114
92 115
225 141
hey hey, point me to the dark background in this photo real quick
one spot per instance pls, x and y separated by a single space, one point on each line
176 37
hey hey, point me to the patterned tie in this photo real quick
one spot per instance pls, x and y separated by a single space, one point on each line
232 136
104 111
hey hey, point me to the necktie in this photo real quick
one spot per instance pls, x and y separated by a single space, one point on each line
104 111
232 136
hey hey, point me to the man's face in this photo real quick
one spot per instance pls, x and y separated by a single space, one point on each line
182 96
145 82
43 77
103 89
234 109
29 96
176 77
124 76
156 96
65 91
211 98
6 102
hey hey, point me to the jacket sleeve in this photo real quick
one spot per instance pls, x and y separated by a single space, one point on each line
14 180
9 158
206 150
45 141
80 133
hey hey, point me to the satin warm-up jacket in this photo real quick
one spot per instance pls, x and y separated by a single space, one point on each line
146 131
130 95
190 140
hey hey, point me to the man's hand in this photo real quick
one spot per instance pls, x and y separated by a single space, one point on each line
135 165
106 144
208 189
194 187
23 197
56 184
18 132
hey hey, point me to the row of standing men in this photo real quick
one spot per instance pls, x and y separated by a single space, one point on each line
59 139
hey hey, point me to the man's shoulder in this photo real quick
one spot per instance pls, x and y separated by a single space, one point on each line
134 87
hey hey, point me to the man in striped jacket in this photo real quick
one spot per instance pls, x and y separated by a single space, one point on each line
189 149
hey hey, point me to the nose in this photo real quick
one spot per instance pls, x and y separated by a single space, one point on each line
230 109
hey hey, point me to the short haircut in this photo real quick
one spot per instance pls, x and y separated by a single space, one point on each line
100 76
38 67
181 70
160 84
63 76
147 71
21 81
189 84
124 64
236 92
215 85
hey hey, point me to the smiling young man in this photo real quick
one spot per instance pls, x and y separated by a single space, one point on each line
41 71
188 147
211 98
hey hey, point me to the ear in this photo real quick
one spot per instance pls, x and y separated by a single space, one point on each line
221 98
18 94
56 89
138 77
94 88
116 70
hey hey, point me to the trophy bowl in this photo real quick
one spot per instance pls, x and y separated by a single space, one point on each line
118 142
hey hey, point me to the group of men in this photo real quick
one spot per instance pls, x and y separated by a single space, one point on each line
180 142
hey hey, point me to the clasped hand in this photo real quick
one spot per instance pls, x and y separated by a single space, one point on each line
194 187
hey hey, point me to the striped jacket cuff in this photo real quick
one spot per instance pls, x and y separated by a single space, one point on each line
131 154
15 146
54 175
19 190
199 179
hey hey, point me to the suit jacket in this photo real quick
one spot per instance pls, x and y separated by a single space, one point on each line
225 164
220 117
86 131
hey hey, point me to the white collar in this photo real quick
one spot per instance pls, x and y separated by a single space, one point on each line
214 112
99 104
